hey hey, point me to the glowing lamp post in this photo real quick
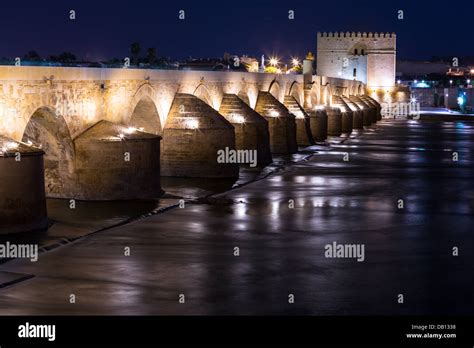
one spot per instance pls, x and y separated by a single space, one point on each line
274 61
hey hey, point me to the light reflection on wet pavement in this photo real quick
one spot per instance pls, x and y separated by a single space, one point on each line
191 251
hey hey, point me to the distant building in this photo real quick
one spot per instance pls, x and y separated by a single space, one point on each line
370 58
251 63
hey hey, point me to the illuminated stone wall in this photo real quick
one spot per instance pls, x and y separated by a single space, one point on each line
84 96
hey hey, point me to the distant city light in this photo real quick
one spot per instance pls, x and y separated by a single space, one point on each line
416 81
274 61
451 82
468 81
413 100
461 101
295 62
422 84
398 81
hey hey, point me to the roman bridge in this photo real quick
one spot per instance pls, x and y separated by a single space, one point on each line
105 134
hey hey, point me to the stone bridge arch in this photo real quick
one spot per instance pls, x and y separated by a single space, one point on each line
243 95
327 94
203 93
352 89
144 111
315 94
274 89
49 131
296 91
252 91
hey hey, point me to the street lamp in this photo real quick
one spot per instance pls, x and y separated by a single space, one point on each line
273 61
451 82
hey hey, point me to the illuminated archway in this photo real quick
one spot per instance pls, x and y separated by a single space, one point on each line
327 94
145 116
274 89
202 92
49 131
244 97
144 112
295 92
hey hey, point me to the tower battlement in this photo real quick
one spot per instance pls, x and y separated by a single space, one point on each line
357 35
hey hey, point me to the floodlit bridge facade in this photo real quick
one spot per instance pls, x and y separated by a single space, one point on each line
105 134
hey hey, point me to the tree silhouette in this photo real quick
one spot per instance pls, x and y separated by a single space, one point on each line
65 57
135 50
32 55
151 55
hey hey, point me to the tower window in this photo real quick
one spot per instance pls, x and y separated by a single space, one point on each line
354 72
356 51
362 52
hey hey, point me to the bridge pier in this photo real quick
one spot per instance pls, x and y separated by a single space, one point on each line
193 134
357 114
346 123
22 189
281 124
334 120
302 119
365 111
115 162
251 129
319 123
377 105
372 106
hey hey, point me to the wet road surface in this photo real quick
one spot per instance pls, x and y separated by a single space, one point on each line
346 193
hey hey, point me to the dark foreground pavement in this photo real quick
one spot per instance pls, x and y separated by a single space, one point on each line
190 251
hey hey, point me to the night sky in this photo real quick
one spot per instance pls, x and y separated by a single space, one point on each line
105 29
